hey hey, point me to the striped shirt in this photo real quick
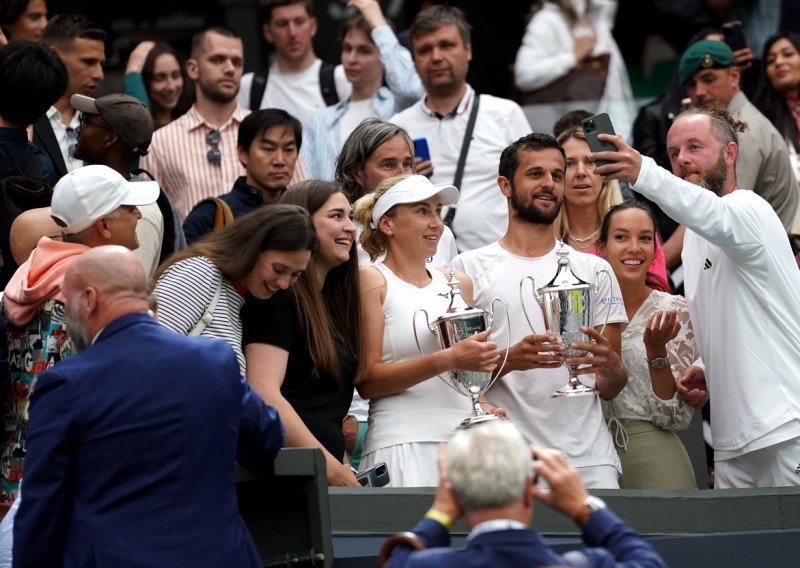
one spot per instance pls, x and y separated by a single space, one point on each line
184 293
178 159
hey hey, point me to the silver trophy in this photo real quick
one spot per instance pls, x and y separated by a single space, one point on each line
567 305
460 322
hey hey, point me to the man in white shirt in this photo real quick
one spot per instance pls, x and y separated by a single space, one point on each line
440 42
532 183
79 44
743 291
297 79
194 157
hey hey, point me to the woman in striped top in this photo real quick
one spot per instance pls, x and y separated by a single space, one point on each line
259 253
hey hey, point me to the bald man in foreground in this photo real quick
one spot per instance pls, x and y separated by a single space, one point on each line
133 441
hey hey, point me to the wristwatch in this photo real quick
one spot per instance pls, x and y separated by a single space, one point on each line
657 362
591 505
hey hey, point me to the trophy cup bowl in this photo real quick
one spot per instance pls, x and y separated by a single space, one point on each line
566 304
460 322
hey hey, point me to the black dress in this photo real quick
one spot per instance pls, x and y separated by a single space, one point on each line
321 402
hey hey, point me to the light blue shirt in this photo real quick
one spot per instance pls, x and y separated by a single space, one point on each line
322 136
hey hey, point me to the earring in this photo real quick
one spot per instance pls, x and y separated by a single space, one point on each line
653 262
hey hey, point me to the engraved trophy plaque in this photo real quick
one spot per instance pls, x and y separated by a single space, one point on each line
566 304
460 322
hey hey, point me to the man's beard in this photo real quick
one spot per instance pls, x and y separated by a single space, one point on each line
76 331
716 178
218 95
530 213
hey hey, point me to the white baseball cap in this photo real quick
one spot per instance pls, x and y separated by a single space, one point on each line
86 194
413 189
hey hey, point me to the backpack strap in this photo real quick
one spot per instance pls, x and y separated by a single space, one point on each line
258 87
223 216
327 84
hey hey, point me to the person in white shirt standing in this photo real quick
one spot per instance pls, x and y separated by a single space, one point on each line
442 50
298 82
743 291
532 182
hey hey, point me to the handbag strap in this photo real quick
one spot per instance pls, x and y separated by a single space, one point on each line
208 315
462 159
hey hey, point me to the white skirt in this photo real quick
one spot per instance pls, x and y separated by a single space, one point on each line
409 465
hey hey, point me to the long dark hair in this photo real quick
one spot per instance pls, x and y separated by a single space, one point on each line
234 249
337 309
185 100
12 10
652 280
772 103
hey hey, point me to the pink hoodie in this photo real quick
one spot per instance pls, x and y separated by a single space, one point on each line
39 279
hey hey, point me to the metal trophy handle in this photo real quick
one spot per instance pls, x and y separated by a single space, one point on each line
522 299
508 339
431 328
596 290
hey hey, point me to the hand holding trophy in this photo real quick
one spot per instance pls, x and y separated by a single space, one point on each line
462 321
566 303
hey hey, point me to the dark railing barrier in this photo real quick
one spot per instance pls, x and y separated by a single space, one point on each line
297 521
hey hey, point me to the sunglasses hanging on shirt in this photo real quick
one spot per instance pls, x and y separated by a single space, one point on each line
214 156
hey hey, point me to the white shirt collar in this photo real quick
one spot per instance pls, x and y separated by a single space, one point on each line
495 525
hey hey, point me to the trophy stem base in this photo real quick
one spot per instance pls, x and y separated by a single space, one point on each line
575 388
475 420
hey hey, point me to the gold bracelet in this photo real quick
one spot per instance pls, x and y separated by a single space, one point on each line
442 518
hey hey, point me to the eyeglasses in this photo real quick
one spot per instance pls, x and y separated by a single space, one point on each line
84 122
214 156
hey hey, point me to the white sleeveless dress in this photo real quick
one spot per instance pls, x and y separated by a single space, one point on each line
405 429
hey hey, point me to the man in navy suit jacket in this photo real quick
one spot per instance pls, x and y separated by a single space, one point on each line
488 477
133 441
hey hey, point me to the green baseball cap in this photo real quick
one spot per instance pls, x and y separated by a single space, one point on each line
705 54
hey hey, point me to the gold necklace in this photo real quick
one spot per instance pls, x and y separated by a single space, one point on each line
589 240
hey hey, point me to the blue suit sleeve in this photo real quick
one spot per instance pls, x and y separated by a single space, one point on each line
614 545
199 222
261 433
41 522
430 532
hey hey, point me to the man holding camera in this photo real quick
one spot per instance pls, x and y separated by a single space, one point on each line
487 477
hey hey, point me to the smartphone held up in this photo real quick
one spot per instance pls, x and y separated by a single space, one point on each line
594 125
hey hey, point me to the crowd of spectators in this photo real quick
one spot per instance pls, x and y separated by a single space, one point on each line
300 215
